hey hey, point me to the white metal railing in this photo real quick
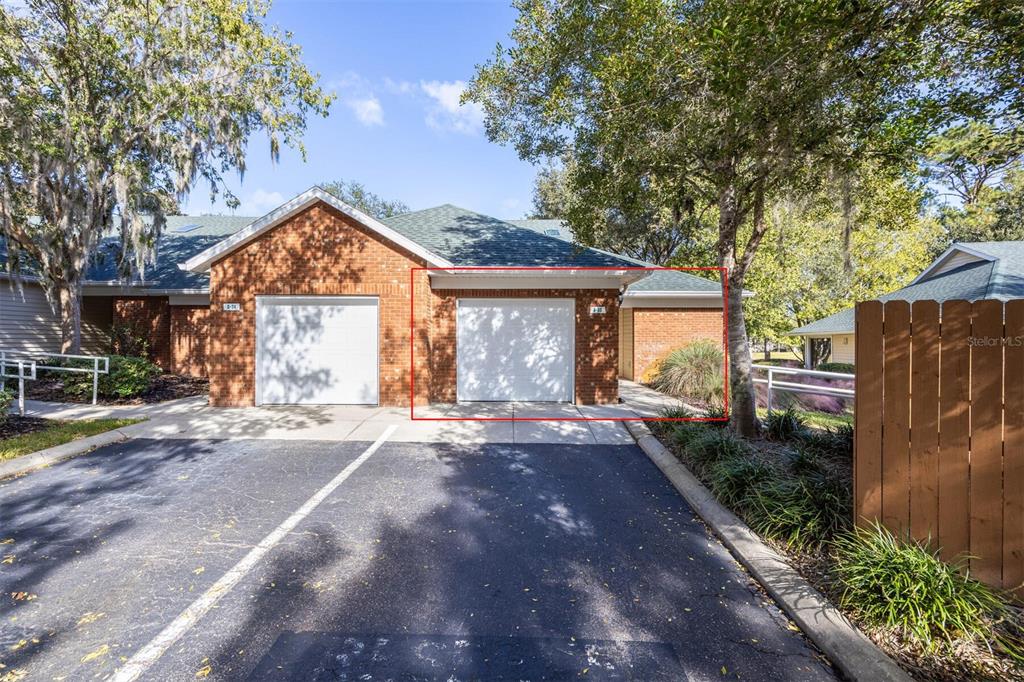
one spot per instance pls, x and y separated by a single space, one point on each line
36 361
793 387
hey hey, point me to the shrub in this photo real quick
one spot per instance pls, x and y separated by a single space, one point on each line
693 371
835 443
717 413
803 512
784 426
6 399
841 367
711 445
128 378
128 339
904 585
732 478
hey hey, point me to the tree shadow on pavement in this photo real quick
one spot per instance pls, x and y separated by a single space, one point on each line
502 562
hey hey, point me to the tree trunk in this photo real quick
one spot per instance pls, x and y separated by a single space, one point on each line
70 296
742 398
767 350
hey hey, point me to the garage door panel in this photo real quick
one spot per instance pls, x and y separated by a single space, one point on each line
317 351
516 349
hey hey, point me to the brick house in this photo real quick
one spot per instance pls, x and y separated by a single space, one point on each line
319 303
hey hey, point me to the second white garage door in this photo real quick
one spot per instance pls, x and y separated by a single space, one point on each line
515 349
316 350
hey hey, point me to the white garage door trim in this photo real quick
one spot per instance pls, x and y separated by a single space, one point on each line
569 307
264 303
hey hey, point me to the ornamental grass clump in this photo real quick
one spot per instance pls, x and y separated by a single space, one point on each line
802 512
710 445
695 371
731 479
904 585
784 426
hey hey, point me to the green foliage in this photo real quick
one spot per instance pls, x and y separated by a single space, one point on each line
712 138
710 445
731 479
128 339
784 426
129 377
694 371
835 442
356 194
841 367
6 400
800 511
905 585
124 106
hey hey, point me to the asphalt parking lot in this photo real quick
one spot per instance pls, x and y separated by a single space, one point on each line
429 561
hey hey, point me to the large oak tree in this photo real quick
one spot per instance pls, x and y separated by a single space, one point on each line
732 101
111 110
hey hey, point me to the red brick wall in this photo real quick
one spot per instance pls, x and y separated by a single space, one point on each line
319 252
151 316
189 337
596 340
656 331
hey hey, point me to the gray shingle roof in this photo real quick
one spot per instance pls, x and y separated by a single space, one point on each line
473 239
1001 279
182 238
662 280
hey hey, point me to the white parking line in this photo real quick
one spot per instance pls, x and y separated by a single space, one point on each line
151 653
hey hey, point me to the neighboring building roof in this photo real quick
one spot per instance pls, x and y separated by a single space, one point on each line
996 272
182 238
666 281
472 239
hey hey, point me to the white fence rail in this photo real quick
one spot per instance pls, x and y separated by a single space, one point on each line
774 384
27 365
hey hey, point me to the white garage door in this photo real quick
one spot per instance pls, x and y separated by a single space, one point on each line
515 349
316 350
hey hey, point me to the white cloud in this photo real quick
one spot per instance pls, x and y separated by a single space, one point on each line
356 93
367 110
399 87
259 202
447 113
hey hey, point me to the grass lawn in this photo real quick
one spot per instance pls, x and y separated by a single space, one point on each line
819 420
776 355
58 433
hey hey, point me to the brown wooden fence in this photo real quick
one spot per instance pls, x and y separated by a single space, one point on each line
939 444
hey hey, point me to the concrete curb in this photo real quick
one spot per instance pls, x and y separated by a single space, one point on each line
58 453
848 648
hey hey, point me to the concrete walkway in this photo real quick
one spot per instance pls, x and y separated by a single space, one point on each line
464 423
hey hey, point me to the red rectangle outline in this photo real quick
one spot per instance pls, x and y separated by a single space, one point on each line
723 273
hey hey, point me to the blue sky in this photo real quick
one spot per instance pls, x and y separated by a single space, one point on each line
398 69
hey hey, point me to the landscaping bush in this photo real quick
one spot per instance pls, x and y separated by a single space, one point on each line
841 367
129 340
905 586
834 443
128 378
710 445
732 478
784 426
716 412
694 371
6 399
802 512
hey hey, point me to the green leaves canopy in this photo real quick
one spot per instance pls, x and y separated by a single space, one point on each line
111 111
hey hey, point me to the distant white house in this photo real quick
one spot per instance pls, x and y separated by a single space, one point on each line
968 271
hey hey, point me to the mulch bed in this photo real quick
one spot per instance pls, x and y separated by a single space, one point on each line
17 426
164 387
